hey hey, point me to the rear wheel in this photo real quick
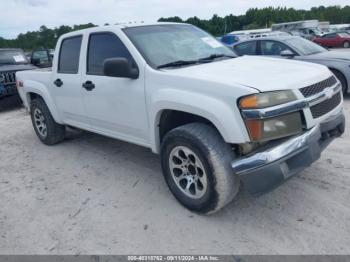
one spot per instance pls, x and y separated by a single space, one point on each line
196 164
342 80
346 44
48 131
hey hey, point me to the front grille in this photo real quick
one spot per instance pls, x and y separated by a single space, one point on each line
8 78
326 106
318 87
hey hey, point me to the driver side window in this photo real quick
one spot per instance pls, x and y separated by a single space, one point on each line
273 48
101 47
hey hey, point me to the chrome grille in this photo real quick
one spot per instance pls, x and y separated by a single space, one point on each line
318 87
8 78
326 106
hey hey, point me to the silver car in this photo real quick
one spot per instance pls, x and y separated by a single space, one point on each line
294 47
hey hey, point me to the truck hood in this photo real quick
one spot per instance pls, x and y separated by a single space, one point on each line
330 55
15 68
261 73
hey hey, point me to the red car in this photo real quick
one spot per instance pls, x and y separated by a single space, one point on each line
334 40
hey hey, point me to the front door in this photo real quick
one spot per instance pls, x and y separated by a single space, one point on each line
115 106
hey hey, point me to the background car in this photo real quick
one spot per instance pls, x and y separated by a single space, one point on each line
229 39
334 40
298 48
12 60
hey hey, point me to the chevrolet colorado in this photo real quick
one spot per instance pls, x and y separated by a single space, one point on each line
217 121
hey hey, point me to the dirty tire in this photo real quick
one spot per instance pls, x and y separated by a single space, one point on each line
55 132
346 44
215 156
342 80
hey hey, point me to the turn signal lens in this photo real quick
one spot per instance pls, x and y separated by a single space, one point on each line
249 102
255 128
267 99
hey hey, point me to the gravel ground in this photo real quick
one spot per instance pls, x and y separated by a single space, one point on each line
95 195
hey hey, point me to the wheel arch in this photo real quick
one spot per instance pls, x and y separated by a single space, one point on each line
220 112
37 90
333 69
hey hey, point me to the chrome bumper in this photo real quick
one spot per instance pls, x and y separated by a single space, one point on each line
266 169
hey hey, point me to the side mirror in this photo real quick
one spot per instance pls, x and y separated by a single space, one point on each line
41 58
287 53
120 67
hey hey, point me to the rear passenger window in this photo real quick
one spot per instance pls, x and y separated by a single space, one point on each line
69 55
273 48
248 48
101 47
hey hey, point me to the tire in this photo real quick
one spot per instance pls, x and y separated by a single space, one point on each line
47 130
210 157
342 80
346 44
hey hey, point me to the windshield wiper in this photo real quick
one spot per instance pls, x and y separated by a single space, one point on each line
192 62
214 56
178 63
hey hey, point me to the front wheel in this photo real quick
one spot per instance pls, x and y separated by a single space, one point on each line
346 44
196 164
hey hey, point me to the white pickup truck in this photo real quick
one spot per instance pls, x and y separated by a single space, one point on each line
217 121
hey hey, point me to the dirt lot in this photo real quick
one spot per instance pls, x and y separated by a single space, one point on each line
92 194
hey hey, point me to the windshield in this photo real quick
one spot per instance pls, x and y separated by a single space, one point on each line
165 44
12 57
305 47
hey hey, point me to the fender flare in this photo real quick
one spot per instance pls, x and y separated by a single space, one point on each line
223 116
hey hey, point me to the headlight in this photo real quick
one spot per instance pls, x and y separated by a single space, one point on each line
267 99
271 128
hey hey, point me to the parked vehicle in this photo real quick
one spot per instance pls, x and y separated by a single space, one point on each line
308 29
229 39
215 120
242 35
297 48
334 40
11 61
340 27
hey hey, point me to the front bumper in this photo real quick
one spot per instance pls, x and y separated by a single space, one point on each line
270 167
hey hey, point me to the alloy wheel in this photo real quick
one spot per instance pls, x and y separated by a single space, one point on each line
188 172
40 122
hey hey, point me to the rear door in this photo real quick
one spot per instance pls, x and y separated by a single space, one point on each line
66 82
115 106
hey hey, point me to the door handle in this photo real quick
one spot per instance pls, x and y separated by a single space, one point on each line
88 85
58 82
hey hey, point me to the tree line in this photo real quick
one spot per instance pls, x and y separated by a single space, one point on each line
254 18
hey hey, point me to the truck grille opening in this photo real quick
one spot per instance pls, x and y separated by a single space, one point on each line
318 87
8 78
326 106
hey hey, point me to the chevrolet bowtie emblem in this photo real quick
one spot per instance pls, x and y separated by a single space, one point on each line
329 93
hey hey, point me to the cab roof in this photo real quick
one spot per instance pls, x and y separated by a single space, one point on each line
119 27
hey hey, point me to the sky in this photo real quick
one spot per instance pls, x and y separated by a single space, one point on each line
28 15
